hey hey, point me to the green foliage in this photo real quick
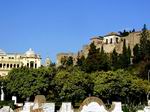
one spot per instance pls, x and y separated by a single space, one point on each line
96 60
63 61
71 84
137 54
144 43
132 107
89 77
142 51
91 62
114 59
80 61
124 58
66 61
104 61
7 103
120 85
124 33
69 61
27 82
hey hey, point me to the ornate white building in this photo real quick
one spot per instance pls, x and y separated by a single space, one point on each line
15 60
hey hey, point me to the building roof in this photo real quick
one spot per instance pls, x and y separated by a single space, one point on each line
112 34
30 53
98 37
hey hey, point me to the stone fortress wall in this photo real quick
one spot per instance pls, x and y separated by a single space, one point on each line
109 42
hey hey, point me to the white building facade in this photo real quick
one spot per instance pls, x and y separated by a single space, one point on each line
9 61
111 38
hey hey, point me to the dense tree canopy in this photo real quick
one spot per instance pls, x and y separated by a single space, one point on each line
119 85
136 54
107 76
72 85
96 60
27 82
124 58
144 43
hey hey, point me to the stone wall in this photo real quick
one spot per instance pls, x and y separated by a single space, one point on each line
131 40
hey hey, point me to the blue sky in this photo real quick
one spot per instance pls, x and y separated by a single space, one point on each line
53 26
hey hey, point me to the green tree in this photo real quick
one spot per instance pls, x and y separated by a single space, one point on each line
104 62
124 58
92 61
25 82
114 59
71 85
147 57
69 61
144 43
63 61
136 54
80 61
120 85
129 55
96 60
124 33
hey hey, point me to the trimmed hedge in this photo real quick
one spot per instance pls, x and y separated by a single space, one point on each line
7 103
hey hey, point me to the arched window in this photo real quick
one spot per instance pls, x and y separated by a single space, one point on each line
106 41
31 64
17 65
7 65
10 65
117 40
27 64
4 65
111 41
35 65
0 65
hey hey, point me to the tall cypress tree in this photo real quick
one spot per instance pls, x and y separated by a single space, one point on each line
69 61
129 55
80 60
103 60
136 54
91 62
124 58
144 42
114 59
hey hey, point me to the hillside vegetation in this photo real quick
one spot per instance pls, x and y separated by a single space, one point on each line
111 77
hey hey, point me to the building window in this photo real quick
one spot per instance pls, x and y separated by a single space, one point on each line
10 65
17 65
10 57
0 65
7 65
106 41
27 64
4 65
111 41
31 64
117 40
2 57
35 65
14 65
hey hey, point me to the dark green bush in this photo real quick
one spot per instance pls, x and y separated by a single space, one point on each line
7 103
